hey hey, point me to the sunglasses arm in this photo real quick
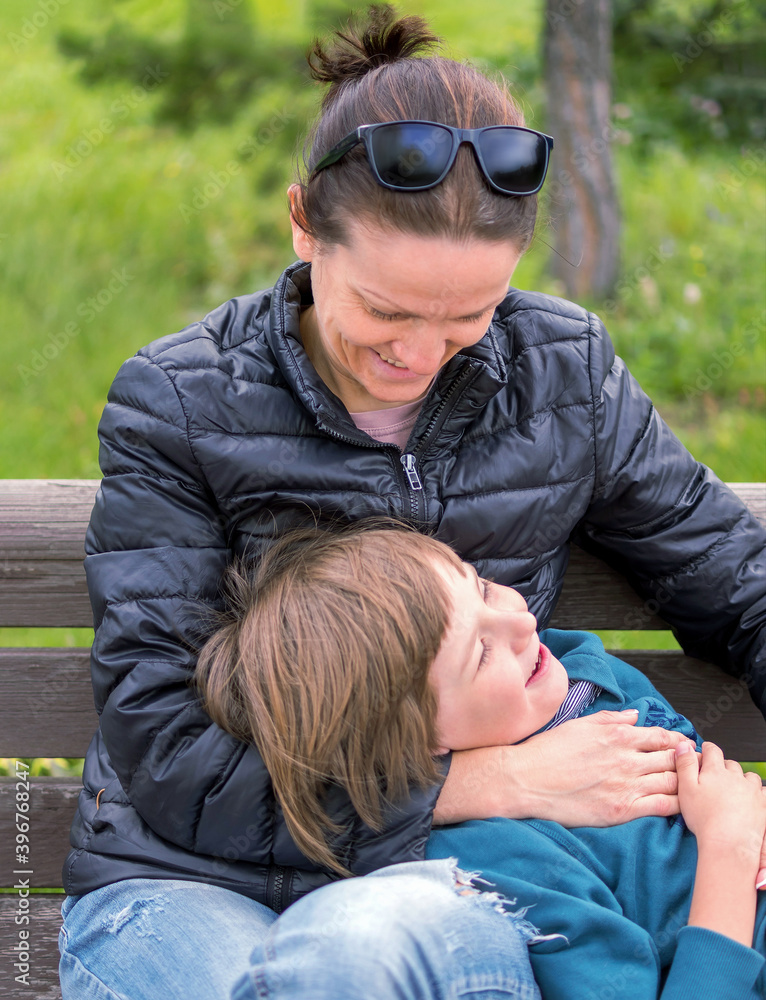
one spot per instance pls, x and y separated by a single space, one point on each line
338 151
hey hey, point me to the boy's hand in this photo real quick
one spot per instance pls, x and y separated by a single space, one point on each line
721 805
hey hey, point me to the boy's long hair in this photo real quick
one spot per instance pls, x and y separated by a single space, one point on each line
321 659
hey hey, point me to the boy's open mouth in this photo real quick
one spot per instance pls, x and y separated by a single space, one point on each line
543 656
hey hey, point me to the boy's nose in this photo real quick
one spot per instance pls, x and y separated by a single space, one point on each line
522 625
514 602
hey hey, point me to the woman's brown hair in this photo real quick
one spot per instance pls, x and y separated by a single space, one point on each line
321 659
378 71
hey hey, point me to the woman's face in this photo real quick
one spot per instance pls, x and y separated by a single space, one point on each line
392 308
495 683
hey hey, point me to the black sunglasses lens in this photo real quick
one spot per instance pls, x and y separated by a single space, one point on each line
410 155
515 160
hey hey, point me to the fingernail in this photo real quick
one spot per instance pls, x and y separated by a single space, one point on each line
762 883
630 711
683 748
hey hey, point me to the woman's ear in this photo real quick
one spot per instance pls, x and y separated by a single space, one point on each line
303 245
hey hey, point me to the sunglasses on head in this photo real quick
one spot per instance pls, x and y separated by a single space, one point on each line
416 155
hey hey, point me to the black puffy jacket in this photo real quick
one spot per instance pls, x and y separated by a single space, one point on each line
217 438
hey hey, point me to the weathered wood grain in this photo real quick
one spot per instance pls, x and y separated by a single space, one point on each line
42 532
45 518
52 806
47 702
44 923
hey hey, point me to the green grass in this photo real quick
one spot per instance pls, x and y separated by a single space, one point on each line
55 637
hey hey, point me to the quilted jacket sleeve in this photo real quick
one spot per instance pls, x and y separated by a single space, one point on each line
683 538
155 549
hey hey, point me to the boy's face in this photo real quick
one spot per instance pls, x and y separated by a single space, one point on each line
495 683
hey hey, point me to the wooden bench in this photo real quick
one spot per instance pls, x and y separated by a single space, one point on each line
46 704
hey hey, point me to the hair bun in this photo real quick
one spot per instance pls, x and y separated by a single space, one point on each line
366 43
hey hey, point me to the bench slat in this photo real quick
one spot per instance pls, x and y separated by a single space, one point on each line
597 594
51 593
42 532
43 927
52 806
42 582
45 518
47 702
726 715
40 594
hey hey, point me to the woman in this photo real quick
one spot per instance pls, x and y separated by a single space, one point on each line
389 371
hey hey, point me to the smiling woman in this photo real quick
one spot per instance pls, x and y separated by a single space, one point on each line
390 310
522 431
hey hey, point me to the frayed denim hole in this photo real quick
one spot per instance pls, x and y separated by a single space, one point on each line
470 884
139 914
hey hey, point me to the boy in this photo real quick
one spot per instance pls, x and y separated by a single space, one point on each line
351 659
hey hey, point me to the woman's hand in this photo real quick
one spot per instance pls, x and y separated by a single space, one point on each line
599 770
726 810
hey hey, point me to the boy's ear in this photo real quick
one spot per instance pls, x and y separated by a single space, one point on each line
303 245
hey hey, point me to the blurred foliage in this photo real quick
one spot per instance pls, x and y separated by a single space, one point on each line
691 342
211 70
48 767
692 71
186 201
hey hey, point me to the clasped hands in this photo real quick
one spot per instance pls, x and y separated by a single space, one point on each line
598 770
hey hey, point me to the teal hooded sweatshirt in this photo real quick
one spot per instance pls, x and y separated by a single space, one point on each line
614 902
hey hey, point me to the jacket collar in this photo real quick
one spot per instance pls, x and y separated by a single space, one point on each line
584 658
481 369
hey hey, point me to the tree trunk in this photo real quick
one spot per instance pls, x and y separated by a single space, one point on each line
581 186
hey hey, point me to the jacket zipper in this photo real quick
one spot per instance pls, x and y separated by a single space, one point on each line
415 487
279 883
275 888
432 428
411 478
409 459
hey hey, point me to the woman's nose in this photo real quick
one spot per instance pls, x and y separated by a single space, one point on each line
424 351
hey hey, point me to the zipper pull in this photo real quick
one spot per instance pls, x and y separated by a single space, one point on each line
408 461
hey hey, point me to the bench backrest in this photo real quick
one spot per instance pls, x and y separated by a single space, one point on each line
46 702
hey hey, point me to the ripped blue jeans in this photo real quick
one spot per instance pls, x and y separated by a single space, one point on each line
415 931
